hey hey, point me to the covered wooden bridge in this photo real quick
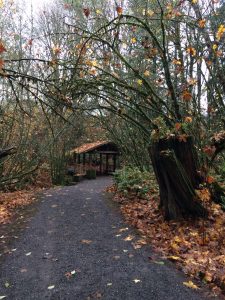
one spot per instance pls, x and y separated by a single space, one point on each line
102 156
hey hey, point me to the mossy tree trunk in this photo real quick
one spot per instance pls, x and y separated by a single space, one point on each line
175 166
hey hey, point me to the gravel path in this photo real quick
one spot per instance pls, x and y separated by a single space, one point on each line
78 229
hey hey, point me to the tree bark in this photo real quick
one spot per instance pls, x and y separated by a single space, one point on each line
6 152
175 166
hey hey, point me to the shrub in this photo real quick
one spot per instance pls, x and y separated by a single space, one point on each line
91 174
130 180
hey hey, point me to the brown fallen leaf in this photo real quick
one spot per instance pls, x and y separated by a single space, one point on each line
86 241
116 257
129 238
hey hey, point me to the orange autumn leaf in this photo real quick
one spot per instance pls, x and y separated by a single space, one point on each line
119 10
186 95
210 179
201 23
178 126
209 150
1 64
191 50
188 120
2 48
182 138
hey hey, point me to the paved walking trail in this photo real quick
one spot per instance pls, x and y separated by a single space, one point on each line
78 228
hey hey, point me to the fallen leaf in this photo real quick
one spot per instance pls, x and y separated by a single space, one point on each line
129 238
159 262
23 270
2 297
116 257
136 280
123 229
51 287
173 258
109 284
191 285
86 241
28 254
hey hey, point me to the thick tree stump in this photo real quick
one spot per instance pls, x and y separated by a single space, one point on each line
175 166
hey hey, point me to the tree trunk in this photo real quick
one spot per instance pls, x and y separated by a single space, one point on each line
6 152
175 166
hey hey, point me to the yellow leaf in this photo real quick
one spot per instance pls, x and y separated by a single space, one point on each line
191 285
133 40
98 11
192 81
146 73
1 3
220 32
176 61
94 63
173 258
175 246
177 239
139 82
148 12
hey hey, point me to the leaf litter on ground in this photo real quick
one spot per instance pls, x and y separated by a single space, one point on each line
197 247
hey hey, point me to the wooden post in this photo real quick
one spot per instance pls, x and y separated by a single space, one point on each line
101 163
114 162
107 163
89 159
